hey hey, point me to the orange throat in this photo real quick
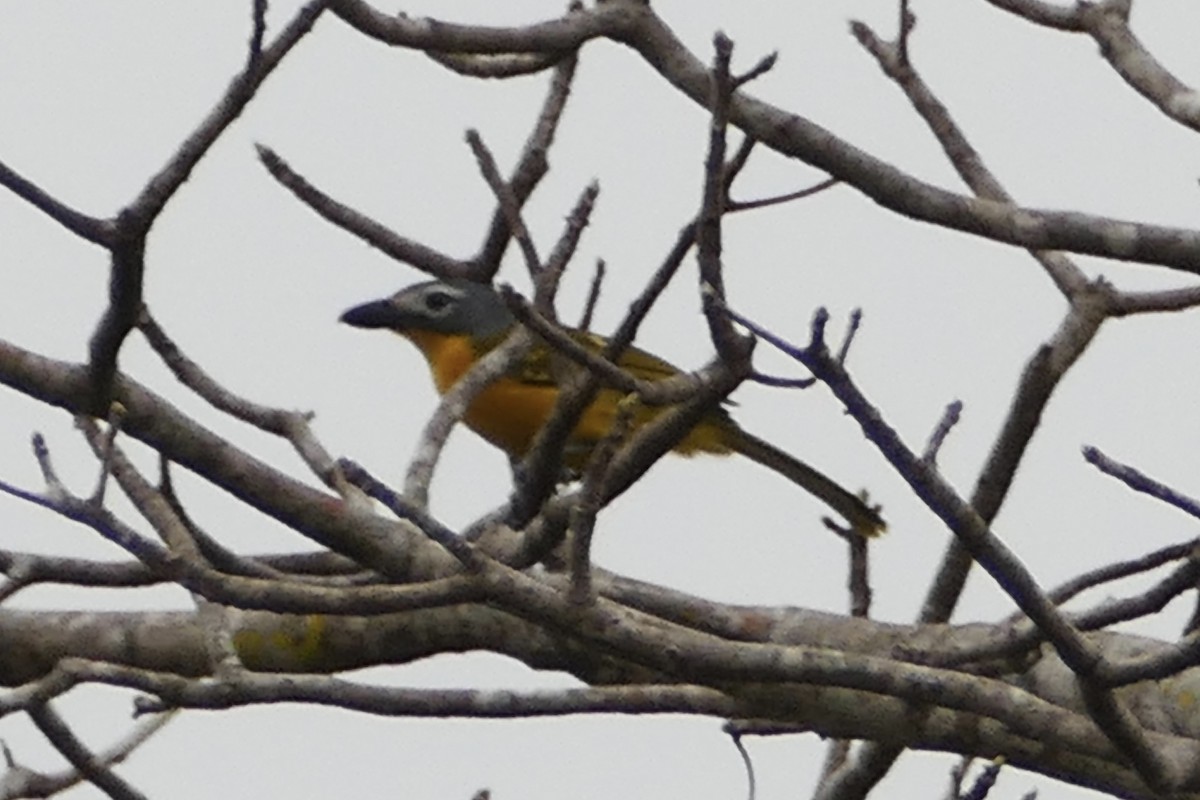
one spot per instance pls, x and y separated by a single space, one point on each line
449 356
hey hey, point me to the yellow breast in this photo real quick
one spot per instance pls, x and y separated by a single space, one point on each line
509 413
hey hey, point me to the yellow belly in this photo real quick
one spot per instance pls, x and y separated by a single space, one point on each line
509 413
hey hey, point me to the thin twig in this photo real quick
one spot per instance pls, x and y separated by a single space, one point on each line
837 753
258 32
1140 482
907 22
546 287
115 413
510 204
583 514
1078 653
780 382
54 487
893 60
133 223
666 391
593 298
749 205
985 780
950 418
729 344
539 469
96 771
852 327
860 575
764 65
371 231
402 508
532 166
453 406
91 229
751 783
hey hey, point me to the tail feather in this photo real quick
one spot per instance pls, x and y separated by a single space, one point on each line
864 519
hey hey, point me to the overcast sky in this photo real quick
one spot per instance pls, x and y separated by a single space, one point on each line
96 96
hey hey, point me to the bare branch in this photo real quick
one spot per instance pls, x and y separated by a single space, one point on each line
454 544
853 323
167 181
251 689
1041 376
279 596
546 287
799 194
19 782
907 22
971 530
667 391
780 382
791 135
857 776
364 537
92 229
1051 15
531 166
593 298
752 786
1149 302
89 766
128 242
291 425
893 60
583 514
985 781
510 205
257 34
105 450
555 36
764 65
1122 569
451 408
370 231
729 344
946 424
1140 482
1108 24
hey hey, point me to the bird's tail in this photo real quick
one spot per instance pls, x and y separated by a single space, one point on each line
864 519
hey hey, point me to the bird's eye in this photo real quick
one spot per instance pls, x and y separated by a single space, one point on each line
437 301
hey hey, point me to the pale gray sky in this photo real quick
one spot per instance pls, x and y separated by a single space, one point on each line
95 97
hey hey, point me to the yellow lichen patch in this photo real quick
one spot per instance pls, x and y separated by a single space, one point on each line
293 645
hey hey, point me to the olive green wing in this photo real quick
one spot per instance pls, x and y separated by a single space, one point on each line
540 365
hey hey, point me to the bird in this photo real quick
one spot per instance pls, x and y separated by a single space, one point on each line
454 322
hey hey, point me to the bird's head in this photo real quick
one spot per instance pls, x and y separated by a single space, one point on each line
446 307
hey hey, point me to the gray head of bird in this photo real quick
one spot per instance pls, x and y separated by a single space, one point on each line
450 307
